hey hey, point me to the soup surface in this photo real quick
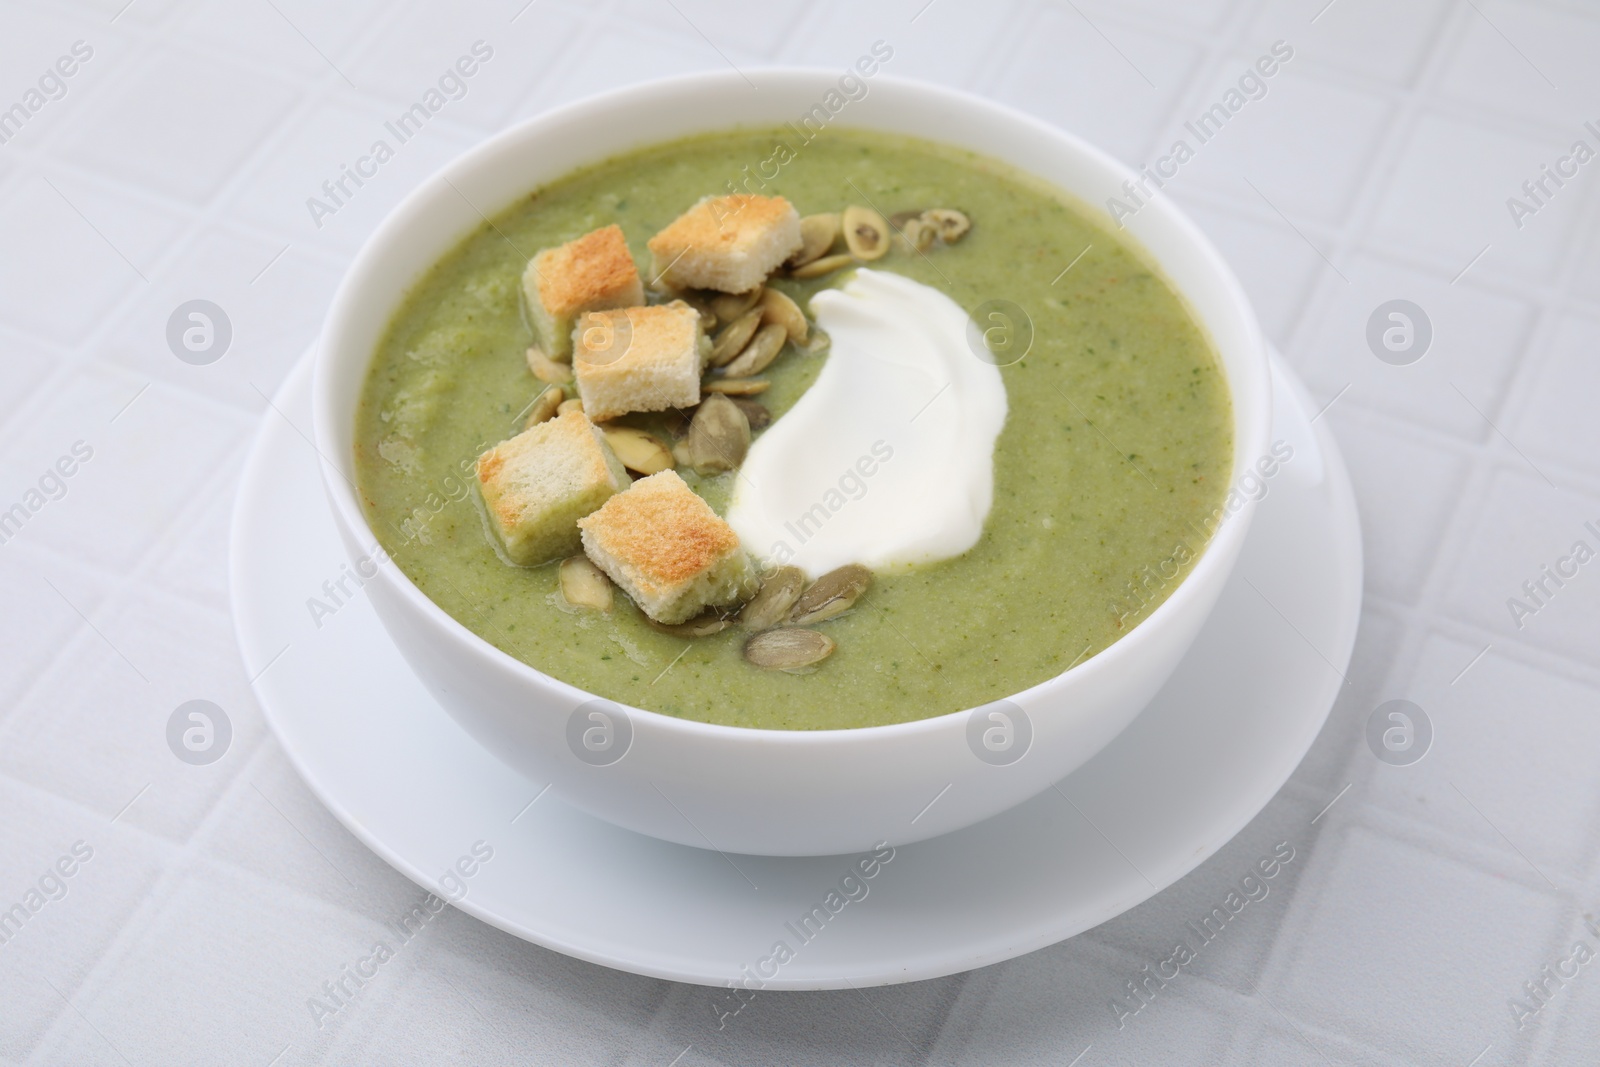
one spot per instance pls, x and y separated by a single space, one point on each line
1108 473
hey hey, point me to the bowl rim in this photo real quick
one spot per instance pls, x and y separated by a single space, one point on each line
1218 551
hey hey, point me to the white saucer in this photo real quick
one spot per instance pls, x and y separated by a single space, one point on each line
1191 771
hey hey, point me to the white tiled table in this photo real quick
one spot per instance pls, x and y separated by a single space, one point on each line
177 165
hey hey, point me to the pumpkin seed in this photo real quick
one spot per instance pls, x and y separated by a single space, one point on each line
826 265
546 369
583 585
544 406
729 306
820 342
638 451
777 307
948 222
719 436
772 605
734 336
569 405
737 386
817 234
899 219
788 649
754 410
676 422
702 306
866 233
918 234
702 625
833 594
759 353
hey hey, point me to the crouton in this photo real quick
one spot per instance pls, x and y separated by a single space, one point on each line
728 243
668 550
537 485
638 359
592 273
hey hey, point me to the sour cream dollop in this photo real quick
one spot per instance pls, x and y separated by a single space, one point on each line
888 459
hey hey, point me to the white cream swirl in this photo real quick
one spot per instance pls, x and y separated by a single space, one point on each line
888 459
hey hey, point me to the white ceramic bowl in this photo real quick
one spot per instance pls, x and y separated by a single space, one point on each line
773 792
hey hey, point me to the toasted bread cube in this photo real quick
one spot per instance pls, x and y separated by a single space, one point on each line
729 243
537 485
668 550
638 359
592 273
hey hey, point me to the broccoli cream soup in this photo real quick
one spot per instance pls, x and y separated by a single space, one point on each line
900 432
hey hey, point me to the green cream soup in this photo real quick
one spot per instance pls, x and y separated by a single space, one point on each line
1107 475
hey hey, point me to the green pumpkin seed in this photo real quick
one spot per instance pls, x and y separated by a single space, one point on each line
866 233
737 387
777 308
719 436
788 649
826 265
817 234
546 369
950 224
773 604
638 451
583 585
754 411
759 353
732 338
729 306
544 406
918 234
702 625
833 594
